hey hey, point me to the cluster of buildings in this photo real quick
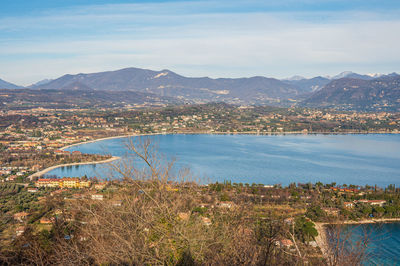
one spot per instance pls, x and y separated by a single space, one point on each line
346 190
351 204
7 170
63 183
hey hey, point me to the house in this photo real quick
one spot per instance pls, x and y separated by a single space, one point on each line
20 216
373 202
116 203
206 205
184 216
47 182
348 204
100 186
61 152
45 220
35 168
284 243
206 221
20 230
346 190
226 204
11 178
83 184
97 197
32 189
377 202
170 188
289 221
69 182
5 172
331 211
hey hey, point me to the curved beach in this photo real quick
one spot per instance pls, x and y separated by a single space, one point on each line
44 171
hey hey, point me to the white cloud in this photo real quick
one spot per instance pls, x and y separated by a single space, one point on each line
197 44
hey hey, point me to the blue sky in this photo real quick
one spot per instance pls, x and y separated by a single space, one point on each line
49 38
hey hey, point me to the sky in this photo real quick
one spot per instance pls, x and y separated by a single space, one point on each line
42 39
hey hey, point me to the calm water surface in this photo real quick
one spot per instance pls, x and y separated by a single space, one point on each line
344 159
384 245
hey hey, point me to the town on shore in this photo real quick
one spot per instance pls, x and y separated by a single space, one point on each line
32 140
276 223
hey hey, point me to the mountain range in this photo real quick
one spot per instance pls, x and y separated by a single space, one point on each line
347 90
7 85
381 93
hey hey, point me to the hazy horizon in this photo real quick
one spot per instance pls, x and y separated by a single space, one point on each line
194 76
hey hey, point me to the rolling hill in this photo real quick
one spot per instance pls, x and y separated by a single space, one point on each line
347 90
254 90
359 94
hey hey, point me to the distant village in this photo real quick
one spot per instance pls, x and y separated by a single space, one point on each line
32 141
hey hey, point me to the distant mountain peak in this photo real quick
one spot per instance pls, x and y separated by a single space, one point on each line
343 74
295 78
353 75
166 83
375 75
394 74
39 83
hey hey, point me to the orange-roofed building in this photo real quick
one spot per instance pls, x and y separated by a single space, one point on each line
20 216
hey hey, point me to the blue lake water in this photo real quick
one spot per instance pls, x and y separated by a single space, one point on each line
384 242
344 159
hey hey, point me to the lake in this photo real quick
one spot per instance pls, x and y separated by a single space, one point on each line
267 159
384 240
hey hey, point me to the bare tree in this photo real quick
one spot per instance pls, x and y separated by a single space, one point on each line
345 247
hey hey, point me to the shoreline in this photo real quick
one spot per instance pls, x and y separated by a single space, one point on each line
48 169
113 158
321 239
44 171
113 137
368 221
232 133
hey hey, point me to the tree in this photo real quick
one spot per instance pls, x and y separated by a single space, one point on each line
305 229
378 211
390 210
315 213
343 247
366 210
